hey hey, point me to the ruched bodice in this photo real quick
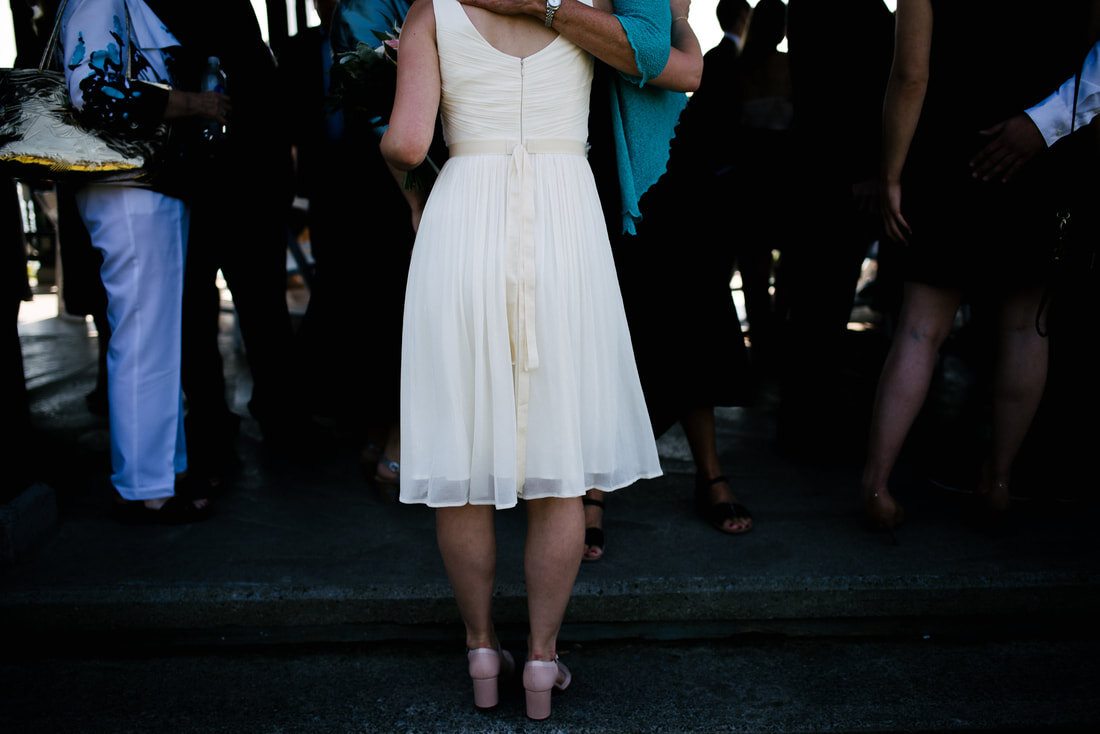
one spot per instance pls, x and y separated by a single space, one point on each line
490 95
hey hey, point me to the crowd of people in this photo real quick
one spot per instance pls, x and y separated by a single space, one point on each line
567 298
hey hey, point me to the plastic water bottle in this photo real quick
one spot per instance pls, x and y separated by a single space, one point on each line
213 80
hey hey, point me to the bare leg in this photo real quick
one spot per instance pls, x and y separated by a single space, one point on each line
593 518
927 313
552 557
698 425
1018 381
467 542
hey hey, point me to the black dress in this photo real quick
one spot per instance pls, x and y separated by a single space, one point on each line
674 279
989 61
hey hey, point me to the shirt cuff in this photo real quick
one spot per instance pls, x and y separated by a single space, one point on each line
1052 118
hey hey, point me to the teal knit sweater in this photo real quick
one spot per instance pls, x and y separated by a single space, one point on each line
643 117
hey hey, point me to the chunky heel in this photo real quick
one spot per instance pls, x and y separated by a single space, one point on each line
538 704
486 694
539 677
485 665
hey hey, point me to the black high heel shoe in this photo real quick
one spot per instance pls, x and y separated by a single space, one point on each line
717 513
593 537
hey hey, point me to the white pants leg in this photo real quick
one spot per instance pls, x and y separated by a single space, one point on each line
143 236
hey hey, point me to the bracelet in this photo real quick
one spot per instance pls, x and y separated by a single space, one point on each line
682 17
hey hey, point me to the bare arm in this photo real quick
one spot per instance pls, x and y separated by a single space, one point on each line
599 32
904 100
412 123
684 69
406 141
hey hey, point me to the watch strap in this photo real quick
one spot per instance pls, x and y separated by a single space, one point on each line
550 11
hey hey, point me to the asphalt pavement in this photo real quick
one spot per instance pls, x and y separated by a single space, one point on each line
306 578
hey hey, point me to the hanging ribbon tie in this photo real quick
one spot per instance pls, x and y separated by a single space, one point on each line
519 230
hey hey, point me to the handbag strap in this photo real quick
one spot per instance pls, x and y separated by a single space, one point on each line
51 45
1062 218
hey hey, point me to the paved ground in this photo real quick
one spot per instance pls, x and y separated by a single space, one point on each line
746 684
308 604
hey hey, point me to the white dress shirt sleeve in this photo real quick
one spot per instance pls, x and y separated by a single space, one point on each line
1053 116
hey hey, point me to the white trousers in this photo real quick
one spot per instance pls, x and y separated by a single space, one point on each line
143 236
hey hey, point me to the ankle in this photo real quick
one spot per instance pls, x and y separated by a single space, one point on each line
546 651
879 498
478 641
870 490
485 645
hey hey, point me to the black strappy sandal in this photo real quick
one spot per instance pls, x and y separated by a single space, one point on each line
593 537
717 513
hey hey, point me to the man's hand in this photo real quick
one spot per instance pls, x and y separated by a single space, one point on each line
1012 144
534 8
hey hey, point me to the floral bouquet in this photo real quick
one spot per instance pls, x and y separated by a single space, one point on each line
365 39
364 80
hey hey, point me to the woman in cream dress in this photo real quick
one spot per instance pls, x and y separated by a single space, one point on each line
518 378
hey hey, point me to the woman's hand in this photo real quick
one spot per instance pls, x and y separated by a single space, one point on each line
209 105
897 229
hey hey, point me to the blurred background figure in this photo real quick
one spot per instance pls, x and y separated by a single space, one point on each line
762 198
675 274
142 236
241 195
17 418
363 231
839 56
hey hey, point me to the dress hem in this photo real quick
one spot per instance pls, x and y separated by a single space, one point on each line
604 488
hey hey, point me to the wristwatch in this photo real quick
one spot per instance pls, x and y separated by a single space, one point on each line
551 8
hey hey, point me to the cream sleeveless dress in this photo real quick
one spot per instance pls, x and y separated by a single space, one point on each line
517 372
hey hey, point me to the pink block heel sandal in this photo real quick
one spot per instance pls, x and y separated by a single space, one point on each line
486 665
539 677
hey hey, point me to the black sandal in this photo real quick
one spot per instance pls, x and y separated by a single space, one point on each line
593 537
176 511
717 513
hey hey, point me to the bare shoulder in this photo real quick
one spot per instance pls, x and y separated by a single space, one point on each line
421 15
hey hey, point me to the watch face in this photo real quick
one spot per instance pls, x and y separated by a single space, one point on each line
553 3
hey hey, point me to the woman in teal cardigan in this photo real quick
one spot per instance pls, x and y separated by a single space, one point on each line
651 58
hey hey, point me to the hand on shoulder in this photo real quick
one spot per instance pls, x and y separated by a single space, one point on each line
535 8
